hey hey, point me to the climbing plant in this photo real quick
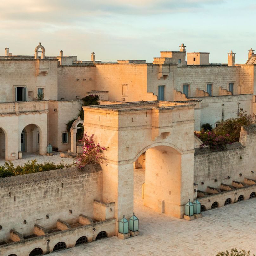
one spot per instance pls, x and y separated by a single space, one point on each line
86 101
225 133
92 152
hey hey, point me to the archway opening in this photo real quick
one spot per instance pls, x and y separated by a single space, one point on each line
157 180
203 208
215 205
101 235
36 251
2 144
252 195
30 139
228 201
59 246
81 240
240 198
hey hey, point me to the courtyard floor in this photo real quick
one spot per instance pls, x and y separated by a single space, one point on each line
232 226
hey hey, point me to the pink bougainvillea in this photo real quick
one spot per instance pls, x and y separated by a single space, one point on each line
92 152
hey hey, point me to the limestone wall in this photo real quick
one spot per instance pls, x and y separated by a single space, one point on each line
125 82
43 198
197 77
234 164
32 74
60 113
75 81
216 109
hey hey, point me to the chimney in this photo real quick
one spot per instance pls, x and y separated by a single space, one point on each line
93 56
231 59
61 56
251 52
182 48
6 51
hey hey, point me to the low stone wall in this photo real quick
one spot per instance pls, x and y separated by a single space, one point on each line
233 195
47 242
43 198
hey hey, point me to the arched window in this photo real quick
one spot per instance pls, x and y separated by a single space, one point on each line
36 251
101 235
59 246
81 240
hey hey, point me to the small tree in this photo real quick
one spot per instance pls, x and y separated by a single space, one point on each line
235 252
92 152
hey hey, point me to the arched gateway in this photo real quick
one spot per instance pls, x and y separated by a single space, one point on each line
165 131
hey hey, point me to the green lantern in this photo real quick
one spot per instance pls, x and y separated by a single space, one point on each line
134 223
123 226
197 207
49 149
189 208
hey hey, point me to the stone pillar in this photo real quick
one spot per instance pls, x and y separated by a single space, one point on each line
231 59
93 56
6 51
73 140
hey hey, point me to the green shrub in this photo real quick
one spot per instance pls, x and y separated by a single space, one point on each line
226 132
235 252
8 169
207 127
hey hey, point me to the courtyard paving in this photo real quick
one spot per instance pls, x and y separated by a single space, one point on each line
232 226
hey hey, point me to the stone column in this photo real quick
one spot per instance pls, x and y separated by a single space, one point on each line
73 140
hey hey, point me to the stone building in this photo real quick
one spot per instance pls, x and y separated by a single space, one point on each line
39 94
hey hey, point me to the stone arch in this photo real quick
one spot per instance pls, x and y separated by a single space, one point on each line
59 246
215 205
81 240
101 235
36 251
143 150
3 144
240 198
252 195
162 186
127 130
30 139
228 201
73 131
37 50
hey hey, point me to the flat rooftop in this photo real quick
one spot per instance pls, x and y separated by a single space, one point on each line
142 105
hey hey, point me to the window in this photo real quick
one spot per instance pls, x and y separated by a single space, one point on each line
179 61
40 93
64 137
20 93
124 90
209 89
194 59
186 89
160 92
231 87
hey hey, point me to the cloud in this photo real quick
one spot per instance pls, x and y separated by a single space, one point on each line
67 11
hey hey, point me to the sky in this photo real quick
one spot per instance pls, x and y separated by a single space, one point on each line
128 29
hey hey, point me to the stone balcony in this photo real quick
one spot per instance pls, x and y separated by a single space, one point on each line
23 107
